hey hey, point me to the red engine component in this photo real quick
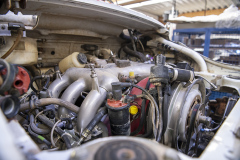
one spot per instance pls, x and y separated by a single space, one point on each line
138 102
22 80
115 104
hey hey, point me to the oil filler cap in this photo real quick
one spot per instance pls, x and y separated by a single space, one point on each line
133 110
82 58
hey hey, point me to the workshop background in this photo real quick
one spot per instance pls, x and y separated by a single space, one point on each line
210 27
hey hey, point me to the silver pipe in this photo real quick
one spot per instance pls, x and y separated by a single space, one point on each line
73 74
89 108
71 94
57 86
94 99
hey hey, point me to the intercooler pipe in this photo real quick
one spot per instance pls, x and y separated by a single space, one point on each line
95 98
188 52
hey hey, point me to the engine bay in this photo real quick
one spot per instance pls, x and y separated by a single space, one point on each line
79 88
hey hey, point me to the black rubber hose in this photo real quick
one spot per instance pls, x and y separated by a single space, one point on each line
165 111
36 129
38 136
135 53
50 124
96 119
34 79
142 119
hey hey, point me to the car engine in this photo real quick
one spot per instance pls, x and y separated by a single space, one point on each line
74 87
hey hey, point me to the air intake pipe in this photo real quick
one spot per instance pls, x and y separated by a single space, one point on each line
76 80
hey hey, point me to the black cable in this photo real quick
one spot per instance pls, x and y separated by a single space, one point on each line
148 125
158 116
165 110
160 101
142 118
143 113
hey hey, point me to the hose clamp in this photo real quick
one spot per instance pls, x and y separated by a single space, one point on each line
67 134
175 74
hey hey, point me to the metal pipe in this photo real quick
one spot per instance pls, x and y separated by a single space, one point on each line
188 52
95 98
57 86
73 74
71 94
89 108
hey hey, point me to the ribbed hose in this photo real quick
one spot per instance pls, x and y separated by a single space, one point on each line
48 101
19 36
35 128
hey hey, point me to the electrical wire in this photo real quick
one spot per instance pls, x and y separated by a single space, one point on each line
215 87
52 141
35 119
155 117
19 36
